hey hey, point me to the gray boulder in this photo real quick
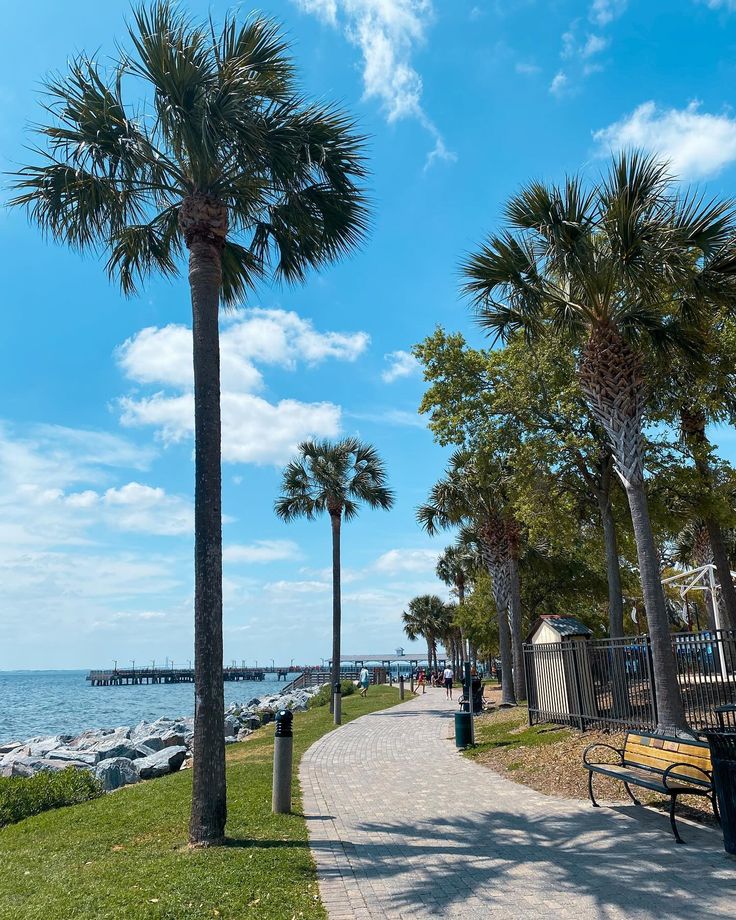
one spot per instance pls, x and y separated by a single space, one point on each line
252 723
244 733
116 772
174 738
152 742
119 747
167 760
231 726
90 758
9 746
41 747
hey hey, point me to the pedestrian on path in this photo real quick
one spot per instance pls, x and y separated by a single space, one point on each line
448 676
364 680
421 682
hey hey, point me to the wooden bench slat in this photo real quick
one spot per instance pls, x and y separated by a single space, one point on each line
653 759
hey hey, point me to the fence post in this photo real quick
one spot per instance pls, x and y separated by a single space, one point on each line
652 685
526 684
578 691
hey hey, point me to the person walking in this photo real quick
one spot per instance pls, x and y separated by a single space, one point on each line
421 682
448 677
364 680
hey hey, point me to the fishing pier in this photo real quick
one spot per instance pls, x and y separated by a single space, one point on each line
120 677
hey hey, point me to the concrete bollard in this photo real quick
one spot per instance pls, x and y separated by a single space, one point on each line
283 744
401 687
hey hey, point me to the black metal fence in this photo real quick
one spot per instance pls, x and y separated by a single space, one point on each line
608 682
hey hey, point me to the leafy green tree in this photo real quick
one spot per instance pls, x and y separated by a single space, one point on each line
222 162
528 400
606 269
427 618
334 477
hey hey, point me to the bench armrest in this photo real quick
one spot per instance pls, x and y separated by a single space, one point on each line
683 781
599 744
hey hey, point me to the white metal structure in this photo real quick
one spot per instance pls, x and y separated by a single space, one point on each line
702 578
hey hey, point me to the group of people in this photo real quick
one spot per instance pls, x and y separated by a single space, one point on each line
437 678
446 679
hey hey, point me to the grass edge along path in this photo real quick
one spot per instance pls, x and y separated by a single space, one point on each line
125 855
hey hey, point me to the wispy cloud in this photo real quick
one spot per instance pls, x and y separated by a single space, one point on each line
387 33
400 364
697 144
560 83
602 12
261 551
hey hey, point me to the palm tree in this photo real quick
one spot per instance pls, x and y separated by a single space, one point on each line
602 269
426 618
220 160
455 567
334 477
462 497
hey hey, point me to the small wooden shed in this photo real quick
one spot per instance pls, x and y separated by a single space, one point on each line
559 676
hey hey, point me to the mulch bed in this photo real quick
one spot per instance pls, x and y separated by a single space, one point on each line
550 760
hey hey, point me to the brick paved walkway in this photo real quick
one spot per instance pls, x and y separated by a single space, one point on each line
402 826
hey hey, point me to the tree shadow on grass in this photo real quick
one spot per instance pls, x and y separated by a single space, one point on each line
593 862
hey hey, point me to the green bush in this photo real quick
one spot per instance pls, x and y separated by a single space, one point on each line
23 796
323 697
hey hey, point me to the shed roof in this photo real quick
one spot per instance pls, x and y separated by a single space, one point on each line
565 626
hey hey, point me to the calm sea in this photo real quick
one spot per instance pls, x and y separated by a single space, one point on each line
62 702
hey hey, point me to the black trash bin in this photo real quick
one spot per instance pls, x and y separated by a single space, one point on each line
723 759
463 729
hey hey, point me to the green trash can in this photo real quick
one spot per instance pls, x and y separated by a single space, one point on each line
463 729
723 759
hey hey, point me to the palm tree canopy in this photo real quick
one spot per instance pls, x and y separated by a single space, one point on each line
458 563
334 477
628 252
465 495
221 119
427 617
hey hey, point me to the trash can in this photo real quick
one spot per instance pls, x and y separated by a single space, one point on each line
463 729
723 759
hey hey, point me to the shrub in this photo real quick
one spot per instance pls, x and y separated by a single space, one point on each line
325 691
23 796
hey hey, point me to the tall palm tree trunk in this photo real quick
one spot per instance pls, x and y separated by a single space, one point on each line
517 648
335 520
209 804
499 580
670 709
612 379
613 570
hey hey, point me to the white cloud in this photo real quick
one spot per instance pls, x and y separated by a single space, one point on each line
559 83
527 69
594 44
406 560
697 144
261 551
387 32
401 364
602 12
254 429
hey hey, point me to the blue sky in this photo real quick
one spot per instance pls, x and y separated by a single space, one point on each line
464 101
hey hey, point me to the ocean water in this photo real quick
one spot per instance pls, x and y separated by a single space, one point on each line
62 702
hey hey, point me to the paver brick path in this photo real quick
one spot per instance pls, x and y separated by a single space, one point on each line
402 826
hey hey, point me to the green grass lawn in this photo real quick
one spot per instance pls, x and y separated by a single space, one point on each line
125 855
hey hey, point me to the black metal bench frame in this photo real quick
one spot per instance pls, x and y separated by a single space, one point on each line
660 781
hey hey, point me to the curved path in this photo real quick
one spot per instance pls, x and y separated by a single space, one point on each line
402 826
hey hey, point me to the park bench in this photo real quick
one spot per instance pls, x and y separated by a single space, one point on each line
668 765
